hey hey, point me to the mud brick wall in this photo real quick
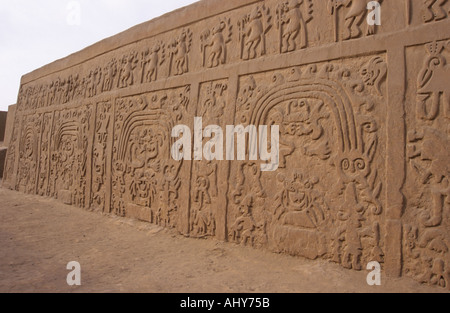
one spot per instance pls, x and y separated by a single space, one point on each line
364 129
3 116
9 125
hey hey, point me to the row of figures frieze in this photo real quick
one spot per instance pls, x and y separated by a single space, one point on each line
289 18
226 38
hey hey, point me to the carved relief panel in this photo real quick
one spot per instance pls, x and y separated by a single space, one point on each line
101 166
206 174
427 219
214 43
427 11
44 155
253 29
70 156
28 153
98 134
146 181
331 134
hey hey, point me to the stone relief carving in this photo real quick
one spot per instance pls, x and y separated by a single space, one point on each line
97 135
179 50
44 156
28 154
301 218
433 88
69 156
99 156
249 225
205 174
127 75
110 72
354 18
374 73
253 28
427 240
292 19
145 179
433 10
214 43
151 60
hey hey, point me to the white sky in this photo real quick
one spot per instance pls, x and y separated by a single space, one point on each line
37 32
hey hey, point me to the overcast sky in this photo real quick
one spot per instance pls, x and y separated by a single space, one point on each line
37 32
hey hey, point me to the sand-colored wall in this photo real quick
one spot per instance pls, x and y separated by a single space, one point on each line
9 124
363 114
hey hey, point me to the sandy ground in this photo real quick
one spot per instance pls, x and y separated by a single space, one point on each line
38 237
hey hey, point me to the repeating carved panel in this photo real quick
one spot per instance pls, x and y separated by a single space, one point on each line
331 134
44 155
146 181
100 157
266 28
28 153
426 241
70 155
206 174
97 133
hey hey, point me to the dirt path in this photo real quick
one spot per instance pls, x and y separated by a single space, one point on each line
38 237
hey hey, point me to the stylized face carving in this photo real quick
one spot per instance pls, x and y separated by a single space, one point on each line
367 76
149 143
299 110
298 200
355 165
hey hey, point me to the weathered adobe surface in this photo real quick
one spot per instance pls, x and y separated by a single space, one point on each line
364 129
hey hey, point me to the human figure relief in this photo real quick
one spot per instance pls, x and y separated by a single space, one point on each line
348 244
214 43
170 185
179 53
151 60
356 14
243 229
292 20
129 64
253 29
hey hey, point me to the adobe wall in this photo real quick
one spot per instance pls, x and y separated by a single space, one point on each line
3 116
9 124
364 129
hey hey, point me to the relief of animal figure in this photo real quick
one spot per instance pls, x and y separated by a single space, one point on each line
151 61
354 17
179 50
292 18
110 72
374 73
214 44
253 29
126 75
